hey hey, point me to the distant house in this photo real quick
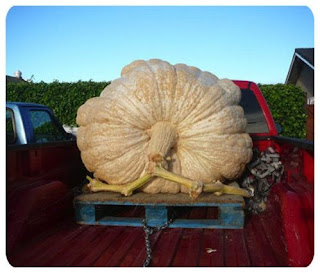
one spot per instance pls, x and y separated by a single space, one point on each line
17 77
301 71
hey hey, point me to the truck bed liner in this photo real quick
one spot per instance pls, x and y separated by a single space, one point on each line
77 245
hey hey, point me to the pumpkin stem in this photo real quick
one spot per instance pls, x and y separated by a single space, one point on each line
218 189
96 185
163 138
130 187
195 187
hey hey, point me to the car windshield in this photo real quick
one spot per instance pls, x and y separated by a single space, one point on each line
44 129
10 127
256 122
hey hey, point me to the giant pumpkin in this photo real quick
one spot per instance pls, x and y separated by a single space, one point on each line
162 126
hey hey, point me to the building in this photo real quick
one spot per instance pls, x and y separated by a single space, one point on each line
17 77
301 71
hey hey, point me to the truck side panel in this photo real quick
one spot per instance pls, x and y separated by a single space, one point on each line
39 186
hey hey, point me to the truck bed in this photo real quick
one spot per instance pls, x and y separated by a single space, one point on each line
71 244
42 230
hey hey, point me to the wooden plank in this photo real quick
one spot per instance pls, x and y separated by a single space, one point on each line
197 223
141 198
230 216
156 206
120 221
178 223
156 215
85 213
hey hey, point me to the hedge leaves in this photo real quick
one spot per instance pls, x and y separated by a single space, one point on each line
285 101
63 98
287 105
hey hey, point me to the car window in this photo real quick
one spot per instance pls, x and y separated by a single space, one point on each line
256 122
10 127
44 128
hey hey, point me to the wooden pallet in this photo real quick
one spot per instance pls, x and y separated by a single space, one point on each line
88 209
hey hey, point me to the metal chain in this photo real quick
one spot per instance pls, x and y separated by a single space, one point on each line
149 231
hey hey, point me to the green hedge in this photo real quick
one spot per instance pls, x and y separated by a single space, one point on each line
63 98
287 105
285 101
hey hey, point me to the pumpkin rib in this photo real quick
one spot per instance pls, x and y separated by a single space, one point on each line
193 165
203 110
185 103
203 127
129 167
198 97
158 104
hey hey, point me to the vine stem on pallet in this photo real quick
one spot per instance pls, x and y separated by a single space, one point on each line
195 187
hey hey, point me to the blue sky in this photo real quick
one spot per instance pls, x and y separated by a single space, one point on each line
83 43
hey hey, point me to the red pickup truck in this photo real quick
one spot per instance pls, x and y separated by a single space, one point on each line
45 173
